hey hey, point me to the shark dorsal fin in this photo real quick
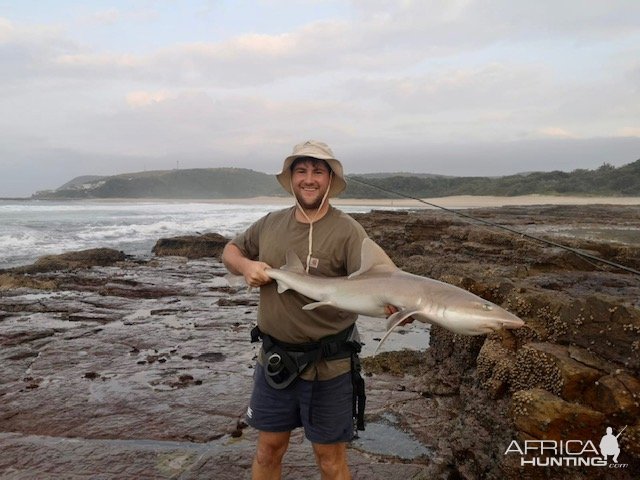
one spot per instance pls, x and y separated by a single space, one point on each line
293 263
373 258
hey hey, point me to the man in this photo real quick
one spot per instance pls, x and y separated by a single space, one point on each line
297 383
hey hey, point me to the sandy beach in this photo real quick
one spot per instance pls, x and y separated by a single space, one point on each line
456 201
472 201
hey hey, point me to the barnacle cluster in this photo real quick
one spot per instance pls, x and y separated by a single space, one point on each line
630 327
534 369
554 323
528 334
519 305
520 403
494 362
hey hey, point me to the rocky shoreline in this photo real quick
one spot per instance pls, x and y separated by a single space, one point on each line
114 367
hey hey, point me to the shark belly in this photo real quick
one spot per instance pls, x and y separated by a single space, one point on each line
363 305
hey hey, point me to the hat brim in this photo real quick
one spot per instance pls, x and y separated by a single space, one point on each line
338 183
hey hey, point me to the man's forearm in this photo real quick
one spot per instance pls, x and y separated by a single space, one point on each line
253 271
233 259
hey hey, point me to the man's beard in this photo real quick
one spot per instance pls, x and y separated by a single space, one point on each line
312 206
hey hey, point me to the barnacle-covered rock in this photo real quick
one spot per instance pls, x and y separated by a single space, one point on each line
494 365
535 369
605 327
541 415
617 395
575 376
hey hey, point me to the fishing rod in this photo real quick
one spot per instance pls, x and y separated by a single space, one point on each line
575 251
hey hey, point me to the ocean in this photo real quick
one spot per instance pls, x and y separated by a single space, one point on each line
31 229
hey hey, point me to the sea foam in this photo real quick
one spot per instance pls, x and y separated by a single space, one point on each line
31 229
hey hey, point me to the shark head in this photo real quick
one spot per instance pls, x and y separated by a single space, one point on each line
475 316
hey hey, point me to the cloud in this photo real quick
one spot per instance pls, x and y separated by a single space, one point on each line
490 158
556 132
145 98
247 59
113 16
195 123
382 36
461 22
25 51
630 132
434 85
107 17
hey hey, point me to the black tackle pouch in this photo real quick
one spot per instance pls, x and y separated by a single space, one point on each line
284 362
282 367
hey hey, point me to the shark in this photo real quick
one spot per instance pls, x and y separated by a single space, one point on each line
379 283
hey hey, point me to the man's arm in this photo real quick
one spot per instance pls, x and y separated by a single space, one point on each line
252 271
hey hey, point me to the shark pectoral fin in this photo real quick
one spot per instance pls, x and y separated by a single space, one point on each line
395 320
311 306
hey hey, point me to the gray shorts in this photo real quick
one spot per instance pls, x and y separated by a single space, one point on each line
325 409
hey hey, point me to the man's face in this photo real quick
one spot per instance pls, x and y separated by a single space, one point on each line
310 180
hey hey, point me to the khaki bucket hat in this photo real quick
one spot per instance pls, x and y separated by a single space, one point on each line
313 149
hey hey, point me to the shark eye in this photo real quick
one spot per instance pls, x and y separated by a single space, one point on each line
487 306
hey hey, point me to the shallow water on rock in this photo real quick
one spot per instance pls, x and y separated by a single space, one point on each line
384 437
414 336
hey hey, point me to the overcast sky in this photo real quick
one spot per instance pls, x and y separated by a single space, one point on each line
455 87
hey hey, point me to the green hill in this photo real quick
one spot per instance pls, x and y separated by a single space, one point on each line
605 181
198 183
210 183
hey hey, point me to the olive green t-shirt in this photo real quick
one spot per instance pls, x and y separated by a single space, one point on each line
337 241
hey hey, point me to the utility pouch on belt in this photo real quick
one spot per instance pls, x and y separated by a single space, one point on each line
283 367
286 361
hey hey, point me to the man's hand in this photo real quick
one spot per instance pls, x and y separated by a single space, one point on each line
254 273
391 309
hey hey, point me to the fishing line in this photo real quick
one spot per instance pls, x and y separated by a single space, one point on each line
577 252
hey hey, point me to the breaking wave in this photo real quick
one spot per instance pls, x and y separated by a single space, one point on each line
31 229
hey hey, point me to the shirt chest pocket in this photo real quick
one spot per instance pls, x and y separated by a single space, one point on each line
326 265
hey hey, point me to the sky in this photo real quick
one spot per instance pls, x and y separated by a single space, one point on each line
451 87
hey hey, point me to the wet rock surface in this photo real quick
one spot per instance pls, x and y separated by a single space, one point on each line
191 246
72 260
132 369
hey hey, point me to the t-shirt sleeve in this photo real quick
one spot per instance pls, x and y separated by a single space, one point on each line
249 241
